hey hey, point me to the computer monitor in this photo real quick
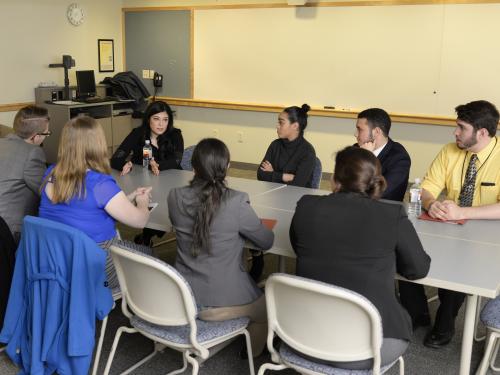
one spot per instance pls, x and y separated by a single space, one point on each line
85 83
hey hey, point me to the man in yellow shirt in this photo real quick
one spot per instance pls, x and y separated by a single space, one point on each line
469 171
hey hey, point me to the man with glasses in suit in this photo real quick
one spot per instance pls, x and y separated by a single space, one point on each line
22 162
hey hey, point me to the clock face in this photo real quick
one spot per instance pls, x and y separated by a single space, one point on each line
75 14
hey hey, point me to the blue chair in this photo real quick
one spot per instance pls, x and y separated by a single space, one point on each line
186 158
490 316
59 282
317 172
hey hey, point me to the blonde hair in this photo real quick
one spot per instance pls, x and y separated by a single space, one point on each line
30 120
82 146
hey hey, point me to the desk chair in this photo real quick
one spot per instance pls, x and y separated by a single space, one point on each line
185 165
161 306
57 292
321 321
186 158
490 316
317 172
5 130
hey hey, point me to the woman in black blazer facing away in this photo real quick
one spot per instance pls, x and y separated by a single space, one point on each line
351 239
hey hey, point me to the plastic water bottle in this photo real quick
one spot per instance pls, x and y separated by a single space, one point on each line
147 153
415 206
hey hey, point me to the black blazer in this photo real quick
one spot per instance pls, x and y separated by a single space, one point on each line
168 154
395 169
359 243
7 259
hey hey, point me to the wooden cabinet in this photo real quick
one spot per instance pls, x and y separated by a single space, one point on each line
113 116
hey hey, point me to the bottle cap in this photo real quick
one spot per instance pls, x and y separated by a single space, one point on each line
418 180
148 141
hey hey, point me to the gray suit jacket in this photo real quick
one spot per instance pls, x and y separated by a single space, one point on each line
219 278
22 166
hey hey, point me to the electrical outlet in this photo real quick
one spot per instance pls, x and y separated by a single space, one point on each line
145 73
151 73
239 136
215 133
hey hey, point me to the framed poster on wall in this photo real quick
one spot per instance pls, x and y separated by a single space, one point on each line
106 55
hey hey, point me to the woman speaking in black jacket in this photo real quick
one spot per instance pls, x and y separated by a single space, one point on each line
166 141
167 145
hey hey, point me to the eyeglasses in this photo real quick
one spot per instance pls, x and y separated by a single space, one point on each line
46 134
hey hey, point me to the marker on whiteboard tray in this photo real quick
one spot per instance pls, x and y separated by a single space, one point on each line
329 107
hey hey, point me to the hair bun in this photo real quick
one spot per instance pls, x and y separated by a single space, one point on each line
305 107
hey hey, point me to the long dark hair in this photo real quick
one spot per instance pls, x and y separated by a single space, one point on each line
164 140
210 161
358 171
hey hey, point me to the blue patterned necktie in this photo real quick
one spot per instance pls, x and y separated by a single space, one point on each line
469 184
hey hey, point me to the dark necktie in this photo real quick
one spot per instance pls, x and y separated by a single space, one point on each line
467 192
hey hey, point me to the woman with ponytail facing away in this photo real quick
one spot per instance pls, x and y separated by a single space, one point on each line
351 239
290 158
212 223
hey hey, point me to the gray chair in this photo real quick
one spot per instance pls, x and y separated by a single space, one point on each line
321 321
5 130
186 158
161 306
490 316
317 172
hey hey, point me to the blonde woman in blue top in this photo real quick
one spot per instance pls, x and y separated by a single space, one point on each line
79 190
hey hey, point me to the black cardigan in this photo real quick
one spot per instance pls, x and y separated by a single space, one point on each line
296 157
168 154
359 243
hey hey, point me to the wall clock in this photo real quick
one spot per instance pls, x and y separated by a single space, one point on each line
75 14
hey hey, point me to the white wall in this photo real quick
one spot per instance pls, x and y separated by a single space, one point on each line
327 135
36 33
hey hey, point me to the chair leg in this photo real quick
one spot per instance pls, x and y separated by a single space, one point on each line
181 370
115 344
270 366
141 362
401 366
494 356
483 366
99 346
193 362
476 322
249 352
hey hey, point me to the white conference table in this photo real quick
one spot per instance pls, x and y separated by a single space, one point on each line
465 258
173 178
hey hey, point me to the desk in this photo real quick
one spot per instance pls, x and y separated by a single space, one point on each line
113 116
465 258
173 178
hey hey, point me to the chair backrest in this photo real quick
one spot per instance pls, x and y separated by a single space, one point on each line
5 130
153 290
317 172
186 158
322 320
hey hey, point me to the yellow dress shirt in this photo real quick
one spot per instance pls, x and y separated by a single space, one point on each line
447 172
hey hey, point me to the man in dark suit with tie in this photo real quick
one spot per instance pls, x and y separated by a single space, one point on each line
372 133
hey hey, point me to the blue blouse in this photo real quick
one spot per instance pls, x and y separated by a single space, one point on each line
87 213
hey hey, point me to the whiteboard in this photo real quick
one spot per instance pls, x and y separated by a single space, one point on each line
417 59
